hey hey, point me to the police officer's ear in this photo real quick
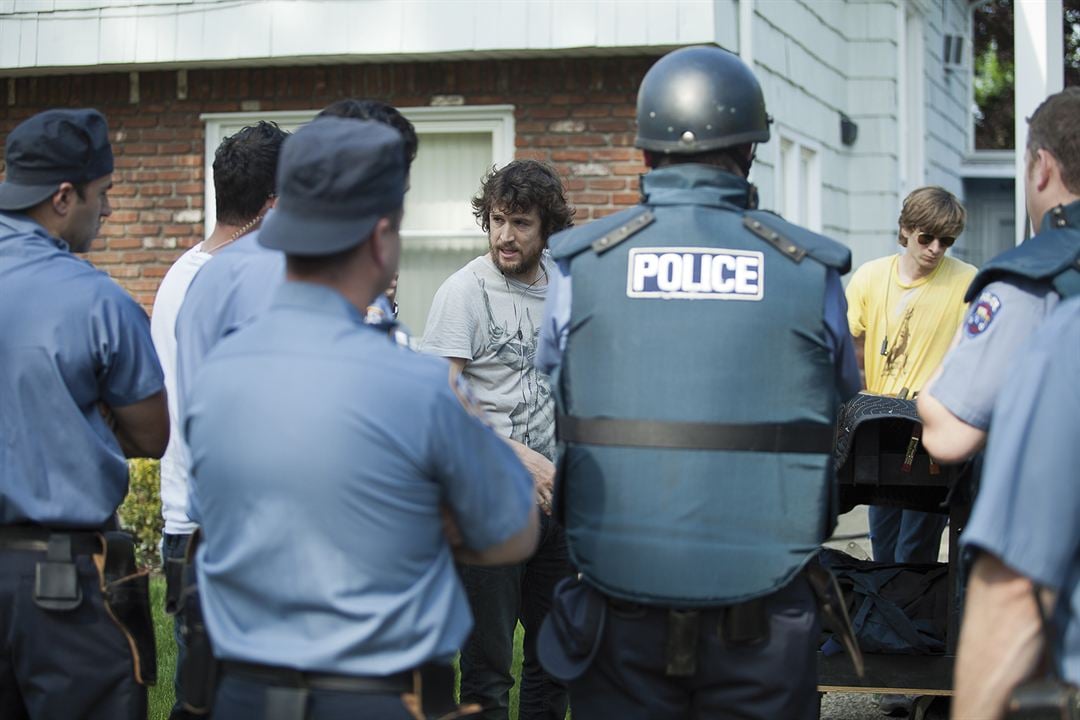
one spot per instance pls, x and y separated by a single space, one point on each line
385 242
64 199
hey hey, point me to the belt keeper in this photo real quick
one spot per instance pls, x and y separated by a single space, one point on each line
682 642
56 580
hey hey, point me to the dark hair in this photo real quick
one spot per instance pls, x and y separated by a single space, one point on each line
1055 127
380 112
244 168
521 186
933 210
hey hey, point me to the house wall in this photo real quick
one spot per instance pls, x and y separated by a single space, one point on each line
577 114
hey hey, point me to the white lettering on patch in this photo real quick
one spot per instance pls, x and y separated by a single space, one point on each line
696 273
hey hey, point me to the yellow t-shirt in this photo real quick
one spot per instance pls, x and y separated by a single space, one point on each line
919 320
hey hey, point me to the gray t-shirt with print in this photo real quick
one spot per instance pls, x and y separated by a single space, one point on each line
493 322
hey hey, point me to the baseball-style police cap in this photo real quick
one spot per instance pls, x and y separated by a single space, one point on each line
570 634
336 177
50 148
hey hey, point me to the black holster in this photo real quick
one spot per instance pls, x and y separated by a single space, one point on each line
126 592
198 673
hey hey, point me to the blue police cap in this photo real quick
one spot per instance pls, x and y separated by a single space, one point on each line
50 148
336 177
570 634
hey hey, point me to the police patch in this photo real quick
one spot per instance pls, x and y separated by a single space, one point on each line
695 273
981 314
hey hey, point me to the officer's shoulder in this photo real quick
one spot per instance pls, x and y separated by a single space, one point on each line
797 242
574 240
1039 258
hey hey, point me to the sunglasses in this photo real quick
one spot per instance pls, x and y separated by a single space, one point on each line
927 238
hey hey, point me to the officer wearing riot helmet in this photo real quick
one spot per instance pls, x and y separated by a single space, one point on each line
695 473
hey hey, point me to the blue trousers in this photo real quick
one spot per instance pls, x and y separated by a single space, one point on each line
241 698
61 665
499 596
774 679
905 536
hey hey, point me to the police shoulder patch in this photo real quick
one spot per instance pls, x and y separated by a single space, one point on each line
982 313
695 273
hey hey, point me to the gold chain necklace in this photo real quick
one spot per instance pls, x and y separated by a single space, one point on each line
237 235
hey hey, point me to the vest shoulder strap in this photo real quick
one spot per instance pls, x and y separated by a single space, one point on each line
1052 257
600 235
796 242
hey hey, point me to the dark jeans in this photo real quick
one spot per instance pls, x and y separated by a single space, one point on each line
57 665
774 679
499 597
241 698
905 536
173 548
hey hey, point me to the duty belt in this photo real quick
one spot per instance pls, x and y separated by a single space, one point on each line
793 437
396 684
36 538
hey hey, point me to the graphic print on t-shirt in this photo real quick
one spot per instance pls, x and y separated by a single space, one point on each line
533 416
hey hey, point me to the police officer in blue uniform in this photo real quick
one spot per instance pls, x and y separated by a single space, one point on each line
1015 291
81 389
699 351
335 471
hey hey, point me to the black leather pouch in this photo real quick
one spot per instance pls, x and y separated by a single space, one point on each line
56 579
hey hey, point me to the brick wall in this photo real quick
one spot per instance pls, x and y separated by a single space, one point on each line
577 114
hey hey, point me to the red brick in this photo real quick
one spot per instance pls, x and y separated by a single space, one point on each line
548 112
603 212
177 230
592 111
125 243
610 125
626 198
570 155
574 184
137 257
607 184
140 229
547 141
586 198
588 140
156 271
613 154
633 169
123 271
540 155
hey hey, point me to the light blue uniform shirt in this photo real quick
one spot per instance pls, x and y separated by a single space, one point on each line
228 292
556 326
321 454
70 338
1029 500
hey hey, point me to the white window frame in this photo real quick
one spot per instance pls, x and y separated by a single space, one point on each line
787 186
495 119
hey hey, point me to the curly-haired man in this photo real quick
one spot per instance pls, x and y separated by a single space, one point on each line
485 319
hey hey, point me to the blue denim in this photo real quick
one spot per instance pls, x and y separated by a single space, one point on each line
499 597
905 536
172 549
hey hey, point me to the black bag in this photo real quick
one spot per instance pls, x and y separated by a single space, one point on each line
895 608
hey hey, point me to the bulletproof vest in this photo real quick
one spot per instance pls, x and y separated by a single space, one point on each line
696 394
1052 257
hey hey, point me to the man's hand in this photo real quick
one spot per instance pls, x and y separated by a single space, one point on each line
542 471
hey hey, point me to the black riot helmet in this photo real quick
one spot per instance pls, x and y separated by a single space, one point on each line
698 99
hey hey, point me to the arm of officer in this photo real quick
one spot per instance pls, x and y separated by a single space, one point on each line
540 468
1001 639
947 438
141 428
488 492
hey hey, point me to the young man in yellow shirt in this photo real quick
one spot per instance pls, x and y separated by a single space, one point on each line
903 311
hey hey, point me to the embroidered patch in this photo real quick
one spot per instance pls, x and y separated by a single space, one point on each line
695 273
981 314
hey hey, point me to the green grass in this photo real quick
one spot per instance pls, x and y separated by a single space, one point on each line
162 697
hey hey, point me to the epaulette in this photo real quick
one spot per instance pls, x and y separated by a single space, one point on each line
795 242
600 235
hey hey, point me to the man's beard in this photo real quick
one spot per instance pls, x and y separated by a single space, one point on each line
524 265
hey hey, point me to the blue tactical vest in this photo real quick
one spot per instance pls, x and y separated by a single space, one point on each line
1052 257
697 394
